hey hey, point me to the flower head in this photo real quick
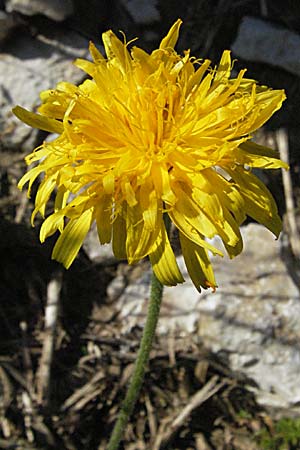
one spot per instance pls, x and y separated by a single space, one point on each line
150 135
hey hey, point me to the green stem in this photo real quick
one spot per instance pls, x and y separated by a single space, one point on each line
140 365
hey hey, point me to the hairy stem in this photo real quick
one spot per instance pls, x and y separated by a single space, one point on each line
140 365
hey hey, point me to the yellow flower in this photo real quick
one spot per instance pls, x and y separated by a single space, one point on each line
150 135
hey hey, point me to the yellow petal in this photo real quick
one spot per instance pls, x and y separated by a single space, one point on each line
128 192
206 212
187 210
268 102
116 50
39 153
56 101
150 205
259 203
96 55
161 181
38 121
221 195
224 68
190 231
140 239
109 183
60 203
43 194
233 202
71 239
103 213
232 240
195 79
119 238
234 250
87 66
172 37
61 198
145 64
30 176
198 264
256 155
52 224
163 260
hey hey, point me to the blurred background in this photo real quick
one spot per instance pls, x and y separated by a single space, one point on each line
224 371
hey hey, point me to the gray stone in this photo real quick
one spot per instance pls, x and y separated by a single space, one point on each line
96 252
7 23
261 41
142 12
29 66
253 316
116 287
54 9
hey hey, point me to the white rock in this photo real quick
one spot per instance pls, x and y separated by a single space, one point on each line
116 288
30 66
254 315
96 252
54 9
142 12
261 41
7 23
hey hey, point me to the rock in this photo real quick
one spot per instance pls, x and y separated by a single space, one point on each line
116 288
261 41
7 24
142 12
96 252
253 316
57 10
29 66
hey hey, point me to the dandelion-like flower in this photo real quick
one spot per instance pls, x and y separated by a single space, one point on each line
150 135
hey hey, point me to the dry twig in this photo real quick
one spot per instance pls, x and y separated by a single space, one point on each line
151 418
27 361
51 313
86 390
207 391
283 147
21 208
